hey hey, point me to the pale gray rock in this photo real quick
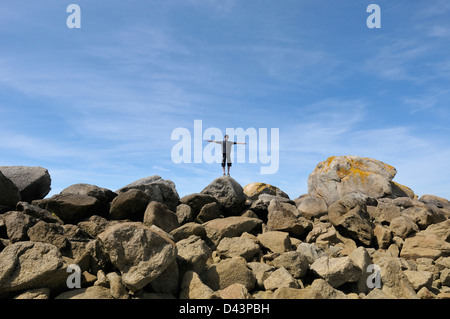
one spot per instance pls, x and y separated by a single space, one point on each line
339 176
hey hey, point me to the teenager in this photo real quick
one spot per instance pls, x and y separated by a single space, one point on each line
226 151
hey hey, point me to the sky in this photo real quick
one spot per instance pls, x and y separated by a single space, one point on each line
98 104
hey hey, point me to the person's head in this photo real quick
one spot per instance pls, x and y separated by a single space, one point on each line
226 137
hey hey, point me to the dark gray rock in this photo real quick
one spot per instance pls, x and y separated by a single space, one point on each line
48 233
33 182
9 194
349 216
193 254
72 208
160 190
228 193
140 253
208 212
38 213
104 195
17 225
196 201
228 272
161 216
129 205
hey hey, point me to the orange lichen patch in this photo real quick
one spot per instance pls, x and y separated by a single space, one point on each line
325 165
254 189
356 174
358 165
390 169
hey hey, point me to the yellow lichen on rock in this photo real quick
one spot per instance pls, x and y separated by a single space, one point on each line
340 175
357 174
253 190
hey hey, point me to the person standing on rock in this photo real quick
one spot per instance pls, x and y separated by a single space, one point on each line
226 151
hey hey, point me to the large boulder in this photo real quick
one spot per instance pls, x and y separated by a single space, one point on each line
196 201
280 278
349 216
193 254
29 265
228 272
104 195
192 287
312 207
393 281
275 241
282 217
9 194
441 230
161 216
33 182
129 205
403 227
237 247
17 225
72 208
437 201
323 290
208 212
339 176
233 226
39 213
49 233
384 212
294 262
336 271
160 190
140 253
425 245
253 190
228 193
322 233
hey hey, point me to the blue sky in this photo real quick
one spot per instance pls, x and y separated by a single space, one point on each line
98 104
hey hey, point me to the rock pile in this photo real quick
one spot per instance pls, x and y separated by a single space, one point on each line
356 234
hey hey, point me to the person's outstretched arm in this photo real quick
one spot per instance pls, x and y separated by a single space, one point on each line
211 141
241 143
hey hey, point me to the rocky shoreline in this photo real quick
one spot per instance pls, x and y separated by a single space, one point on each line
357 234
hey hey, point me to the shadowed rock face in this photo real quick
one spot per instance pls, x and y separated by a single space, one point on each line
229 241
9 194
32 182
